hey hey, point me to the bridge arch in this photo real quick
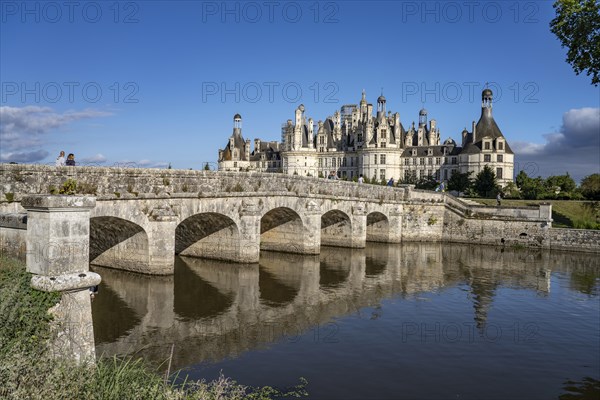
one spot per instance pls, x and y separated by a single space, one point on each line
208 235
282 229
118 243
336 229
378 227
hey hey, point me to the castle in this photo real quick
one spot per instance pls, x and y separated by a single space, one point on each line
355 142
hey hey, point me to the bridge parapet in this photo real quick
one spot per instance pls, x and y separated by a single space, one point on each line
19 180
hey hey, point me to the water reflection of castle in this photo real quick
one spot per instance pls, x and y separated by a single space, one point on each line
212 310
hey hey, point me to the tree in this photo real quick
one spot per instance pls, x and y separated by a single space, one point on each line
590 187
485 182
510 191
522 179
409 179
577 26
563 184
531 188
427 183
460 181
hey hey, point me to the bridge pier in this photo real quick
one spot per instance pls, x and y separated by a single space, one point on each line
161 241
249 249
58 229
359 227
395 224
312 238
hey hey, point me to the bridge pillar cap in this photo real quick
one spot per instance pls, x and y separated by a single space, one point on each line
61 283
57 201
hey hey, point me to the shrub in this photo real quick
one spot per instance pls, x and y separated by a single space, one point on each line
68 187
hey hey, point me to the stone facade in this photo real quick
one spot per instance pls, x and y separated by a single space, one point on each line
354 142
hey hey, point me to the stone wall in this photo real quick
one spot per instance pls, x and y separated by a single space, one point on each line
13 228
19 180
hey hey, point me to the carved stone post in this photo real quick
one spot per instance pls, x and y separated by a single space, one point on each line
58 232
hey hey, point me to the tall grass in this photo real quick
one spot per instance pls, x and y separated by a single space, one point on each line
28 370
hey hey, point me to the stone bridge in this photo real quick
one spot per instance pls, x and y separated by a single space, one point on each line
142 218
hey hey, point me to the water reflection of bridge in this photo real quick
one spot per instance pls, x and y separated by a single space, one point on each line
210 309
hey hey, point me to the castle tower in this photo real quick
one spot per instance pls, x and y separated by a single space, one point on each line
423 117
237 124
363 105
380 106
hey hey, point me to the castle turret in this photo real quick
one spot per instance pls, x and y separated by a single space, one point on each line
380 106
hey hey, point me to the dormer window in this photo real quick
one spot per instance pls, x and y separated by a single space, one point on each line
500 145
414 153
486 145
429 152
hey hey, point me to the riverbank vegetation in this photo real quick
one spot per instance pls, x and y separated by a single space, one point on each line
565 213
28 371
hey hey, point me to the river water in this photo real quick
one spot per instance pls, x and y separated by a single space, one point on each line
410 321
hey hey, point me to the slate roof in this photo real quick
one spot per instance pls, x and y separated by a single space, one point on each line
486 128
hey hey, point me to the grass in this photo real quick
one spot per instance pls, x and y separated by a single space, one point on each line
28 371
565 213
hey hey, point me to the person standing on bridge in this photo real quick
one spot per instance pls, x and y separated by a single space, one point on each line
391 182
361 179
60 160
71 160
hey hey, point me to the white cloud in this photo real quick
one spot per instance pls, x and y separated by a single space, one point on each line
22 129
98 159
574 149
31 156
141 164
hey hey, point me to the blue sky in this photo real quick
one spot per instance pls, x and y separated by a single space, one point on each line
153 82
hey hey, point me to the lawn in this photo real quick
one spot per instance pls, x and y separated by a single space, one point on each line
565 213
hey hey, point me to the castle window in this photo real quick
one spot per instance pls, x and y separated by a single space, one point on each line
383 145
499 173
406 161
414 153
352 161
382 159
383 134
445 174
429 152
454 160
430 161
382 174
414 161
500 145
333 162
320 163
487 158
486 145
422 161
375 158
500 158
235 164
437 161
